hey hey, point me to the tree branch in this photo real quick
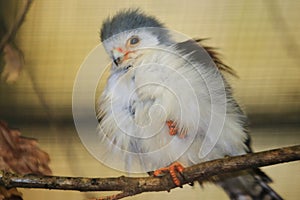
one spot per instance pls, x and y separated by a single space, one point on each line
13 30
130 186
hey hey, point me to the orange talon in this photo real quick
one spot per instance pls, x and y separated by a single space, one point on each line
172 169
173 130
172 127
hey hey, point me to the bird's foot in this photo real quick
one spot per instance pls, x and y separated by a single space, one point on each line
173 169
173 129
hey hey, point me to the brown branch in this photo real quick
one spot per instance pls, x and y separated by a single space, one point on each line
130 186
13 30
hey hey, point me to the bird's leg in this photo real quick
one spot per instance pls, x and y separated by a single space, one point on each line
173 129
173 169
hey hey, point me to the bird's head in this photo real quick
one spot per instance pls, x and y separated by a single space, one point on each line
129 31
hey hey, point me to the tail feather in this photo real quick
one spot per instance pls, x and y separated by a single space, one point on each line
248 185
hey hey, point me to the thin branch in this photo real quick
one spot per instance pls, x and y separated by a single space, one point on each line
130 186
13 30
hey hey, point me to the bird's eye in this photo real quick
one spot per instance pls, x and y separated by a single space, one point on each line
134 40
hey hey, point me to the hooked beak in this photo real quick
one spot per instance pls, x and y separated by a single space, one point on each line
119 55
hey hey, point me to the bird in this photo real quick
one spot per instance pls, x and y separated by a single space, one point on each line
167 105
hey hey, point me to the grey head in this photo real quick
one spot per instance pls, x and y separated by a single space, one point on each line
130 19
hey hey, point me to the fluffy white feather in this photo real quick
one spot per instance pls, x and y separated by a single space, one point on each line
164 85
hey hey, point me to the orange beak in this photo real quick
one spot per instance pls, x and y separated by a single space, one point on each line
119 55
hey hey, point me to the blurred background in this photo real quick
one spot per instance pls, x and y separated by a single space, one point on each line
259 39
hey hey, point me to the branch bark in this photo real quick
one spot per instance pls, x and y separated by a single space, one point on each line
131 186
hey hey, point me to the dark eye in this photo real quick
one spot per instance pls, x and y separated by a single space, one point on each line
134 40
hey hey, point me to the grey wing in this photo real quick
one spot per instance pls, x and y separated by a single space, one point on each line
199 50
205 54
247 184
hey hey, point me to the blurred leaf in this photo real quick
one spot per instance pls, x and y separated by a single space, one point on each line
11 19
21 154
10 194
14 62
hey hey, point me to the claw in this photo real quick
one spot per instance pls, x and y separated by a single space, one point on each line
172 127
173 130
173 169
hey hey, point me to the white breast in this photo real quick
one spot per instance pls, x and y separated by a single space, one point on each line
165 86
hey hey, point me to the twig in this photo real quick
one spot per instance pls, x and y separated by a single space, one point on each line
131 186
13 30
